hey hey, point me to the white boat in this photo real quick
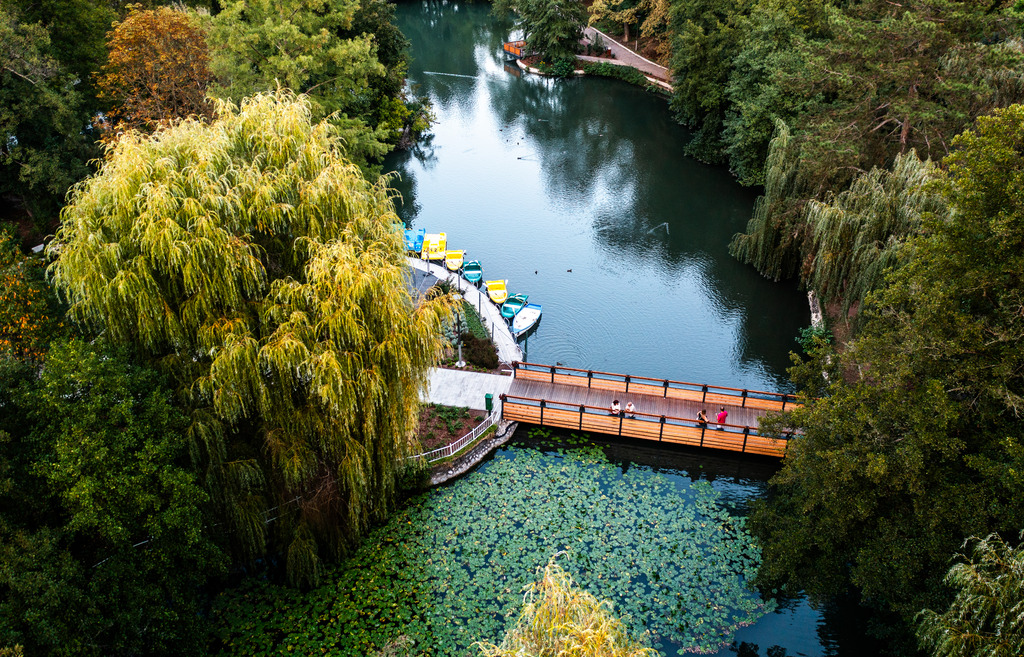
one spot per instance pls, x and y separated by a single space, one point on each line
526 319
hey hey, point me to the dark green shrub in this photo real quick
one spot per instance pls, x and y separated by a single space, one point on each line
626 73
561 68
480 353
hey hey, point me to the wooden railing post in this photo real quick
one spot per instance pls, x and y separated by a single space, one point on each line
583 409
746 433
627 383
665 385
590 376
744 404
553 368
703 428
784 398
515 367
502 398
542 405
621 416
704 398
661 431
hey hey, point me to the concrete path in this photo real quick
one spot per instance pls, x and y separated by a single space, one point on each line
624 55
508 349
459 388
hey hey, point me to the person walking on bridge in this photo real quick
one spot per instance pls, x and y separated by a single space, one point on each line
722 415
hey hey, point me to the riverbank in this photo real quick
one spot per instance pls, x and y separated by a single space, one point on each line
624 64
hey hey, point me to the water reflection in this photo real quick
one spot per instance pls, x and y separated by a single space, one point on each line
578 193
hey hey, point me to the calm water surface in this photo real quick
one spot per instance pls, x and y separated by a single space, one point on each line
579 194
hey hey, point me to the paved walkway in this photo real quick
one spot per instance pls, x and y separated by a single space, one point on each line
490 315
459 388
625 56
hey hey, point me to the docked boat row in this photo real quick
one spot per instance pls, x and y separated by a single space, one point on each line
520 315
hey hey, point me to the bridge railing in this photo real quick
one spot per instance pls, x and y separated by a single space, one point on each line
644 426
642 385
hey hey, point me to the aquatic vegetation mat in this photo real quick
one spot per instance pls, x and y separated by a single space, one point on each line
450 568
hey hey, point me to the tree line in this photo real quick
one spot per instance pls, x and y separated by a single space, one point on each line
78 73
887 137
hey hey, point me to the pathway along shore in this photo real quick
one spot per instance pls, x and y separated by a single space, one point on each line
626 57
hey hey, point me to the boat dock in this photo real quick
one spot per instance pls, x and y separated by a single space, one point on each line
490 315
666 410
514 48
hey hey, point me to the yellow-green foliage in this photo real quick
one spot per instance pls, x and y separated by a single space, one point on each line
561 620
252 260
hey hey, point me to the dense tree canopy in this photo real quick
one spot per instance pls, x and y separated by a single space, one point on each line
157 70
986 618
552 28
915 440
249 259
29 316
102 537
855 84
301 45
43 120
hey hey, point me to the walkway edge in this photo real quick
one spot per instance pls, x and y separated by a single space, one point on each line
445 472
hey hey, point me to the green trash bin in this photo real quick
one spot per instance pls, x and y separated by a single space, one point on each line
489 402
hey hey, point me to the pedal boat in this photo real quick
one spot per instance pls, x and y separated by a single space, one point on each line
497 291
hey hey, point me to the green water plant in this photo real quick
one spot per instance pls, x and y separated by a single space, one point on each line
448 570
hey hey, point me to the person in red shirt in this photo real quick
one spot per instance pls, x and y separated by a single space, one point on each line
722 414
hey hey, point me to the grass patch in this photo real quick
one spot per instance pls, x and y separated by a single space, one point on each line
473 323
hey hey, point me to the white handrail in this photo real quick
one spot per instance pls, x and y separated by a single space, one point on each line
455 447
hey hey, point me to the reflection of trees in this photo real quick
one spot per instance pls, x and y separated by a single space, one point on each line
611 153
570 136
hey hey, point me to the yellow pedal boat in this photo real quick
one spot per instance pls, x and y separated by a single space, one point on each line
434 245
497 291
453 260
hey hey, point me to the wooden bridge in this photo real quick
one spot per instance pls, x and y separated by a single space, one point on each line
666 411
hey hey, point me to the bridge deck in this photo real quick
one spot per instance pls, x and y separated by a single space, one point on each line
666 411
656 406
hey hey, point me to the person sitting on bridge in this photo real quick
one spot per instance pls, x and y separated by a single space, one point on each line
615 408
630 409
722 414
702 418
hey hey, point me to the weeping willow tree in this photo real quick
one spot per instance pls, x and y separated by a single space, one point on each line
562 620
859 234
772 241
251 260
987 616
